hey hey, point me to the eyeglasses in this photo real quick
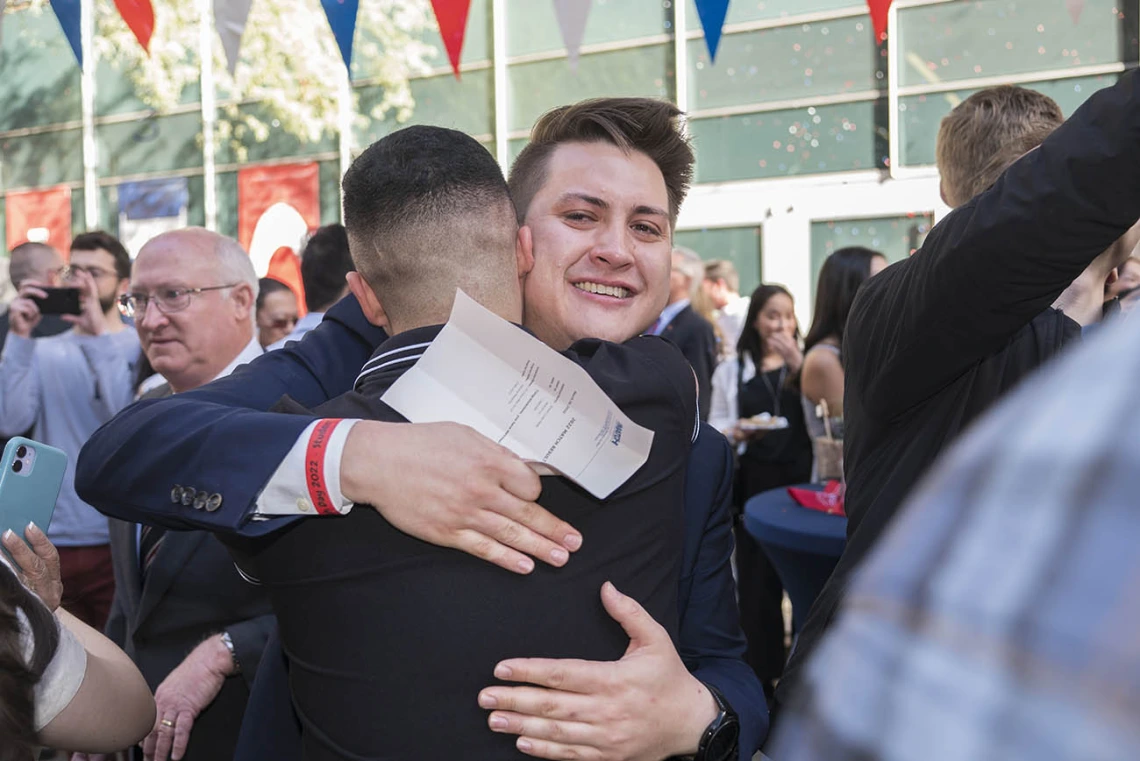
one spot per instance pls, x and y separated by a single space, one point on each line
69 273
168 300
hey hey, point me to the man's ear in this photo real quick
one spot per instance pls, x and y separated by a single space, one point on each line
244 299
524 251
364 294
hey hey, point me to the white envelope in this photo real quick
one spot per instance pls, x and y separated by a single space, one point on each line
486 373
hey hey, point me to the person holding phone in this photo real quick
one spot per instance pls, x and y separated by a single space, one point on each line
62 683
63 388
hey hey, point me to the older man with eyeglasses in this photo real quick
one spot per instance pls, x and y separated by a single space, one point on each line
65 386
192 625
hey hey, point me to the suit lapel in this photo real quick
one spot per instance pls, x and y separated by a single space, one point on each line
173 554
126 557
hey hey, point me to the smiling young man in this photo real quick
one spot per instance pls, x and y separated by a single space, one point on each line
598 189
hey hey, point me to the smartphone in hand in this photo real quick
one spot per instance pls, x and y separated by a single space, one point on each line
31 475
59 301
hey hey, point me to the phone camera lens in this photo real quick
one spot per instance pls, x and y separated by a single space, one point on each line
17 466
22 452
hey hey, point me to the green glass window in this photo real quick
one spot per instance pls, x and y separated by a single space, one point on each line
37 161
920 115
40 77
279 143
743 11
159 143
329 179
227 195
987 38
540 86
115 92
894 237
532 27
739 245
800 61
441 100
835 138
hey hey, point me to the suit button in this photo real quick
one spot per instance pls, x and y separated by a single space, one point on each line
176 494
214 502
200 500
188 496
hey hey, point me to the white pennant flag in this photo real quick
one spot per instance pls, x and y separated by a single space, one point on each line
229 19
572 23
1075 7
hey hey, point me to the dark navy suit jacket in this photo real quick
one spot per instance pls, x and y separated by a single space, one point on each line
220 438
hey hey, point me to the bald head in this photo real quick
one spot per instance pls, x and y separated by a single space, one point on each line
199 290
36 262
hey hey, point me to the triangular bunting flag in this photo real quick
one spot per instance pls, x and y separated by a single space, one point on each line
572 16
712 13
879 10
451 15
139 15
1075 7
229 19
68 13
342 19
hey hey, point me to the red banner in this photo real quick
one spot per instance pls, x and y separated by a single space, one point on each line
278 206
43 216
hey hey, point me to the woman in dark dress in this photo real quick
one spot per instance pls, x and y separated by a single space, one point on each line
755 382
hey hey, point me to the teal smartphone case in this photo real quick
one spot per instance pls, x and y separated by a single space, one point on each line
31 475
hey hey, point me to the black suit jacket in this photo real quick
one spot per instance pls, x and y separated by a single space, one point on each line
695 337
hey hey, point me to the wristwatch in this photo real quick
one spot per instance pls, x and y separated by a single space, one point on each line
228 641
721 739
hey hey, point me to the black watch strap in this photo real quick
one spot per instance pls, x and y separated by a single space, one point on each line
721 738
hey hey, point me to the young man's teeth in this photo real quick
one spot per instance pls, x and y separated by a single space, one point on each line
605 290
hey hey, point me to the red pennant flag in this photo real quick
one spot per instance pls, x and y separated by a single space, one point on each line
139 15
451 15
879 10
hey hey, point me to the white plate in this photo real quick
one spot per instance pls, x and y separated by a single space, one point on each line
771 424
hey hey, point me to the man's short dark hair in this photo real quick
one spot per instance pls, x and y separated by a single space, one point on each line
427 211
99 239
267 286
24 260
632 124
324 263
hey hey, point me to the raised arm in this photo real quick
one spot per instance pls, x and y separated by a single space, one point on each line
997 262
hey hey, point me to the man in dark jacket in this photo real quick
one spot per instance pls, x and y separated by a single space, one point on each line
682 325
1000 286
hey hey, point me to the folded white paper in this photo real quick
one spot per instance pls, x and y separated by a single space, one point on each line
484 372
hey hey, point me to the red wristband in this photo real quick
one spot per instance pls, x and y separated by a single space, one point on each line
315 467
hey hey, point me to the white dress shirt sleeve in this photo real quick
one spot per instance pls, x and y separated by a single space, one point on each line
287 492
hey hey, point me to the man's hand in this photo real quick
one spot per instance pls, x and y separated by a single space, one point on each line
786 347
450 486
644 707
38 565
23 313
183 695
91 319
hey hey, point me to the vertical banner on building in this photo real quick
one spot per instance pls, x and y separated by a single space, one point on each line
41 216
712 13
229 19
139 15
342 18
68 13
277 206
572 15
151 207
879 9
451 15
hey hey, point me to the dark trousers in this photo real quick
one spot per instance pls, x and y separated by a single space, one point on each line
88 583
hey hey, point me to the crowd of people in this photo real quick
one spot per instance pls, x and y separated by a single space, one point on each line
253 556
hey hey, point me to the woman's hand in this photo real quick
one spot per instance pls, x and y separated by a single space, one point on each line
788 349
742 433
38 565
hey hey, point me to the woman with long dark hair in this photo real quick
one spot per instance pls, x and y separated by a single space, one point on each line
759 380
62 683
821 379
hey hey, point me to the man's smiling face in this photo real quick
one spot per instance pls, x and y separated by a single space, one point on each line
602 245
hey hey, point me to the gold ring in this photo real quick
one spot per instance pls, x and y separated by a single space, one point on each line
167 723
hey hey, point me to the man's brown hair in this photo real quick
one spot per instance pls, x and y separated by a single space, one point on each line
988 132
632 124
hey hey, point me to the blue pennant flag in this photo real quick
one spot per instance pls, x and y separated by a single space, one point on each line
342 19
712 13
68 12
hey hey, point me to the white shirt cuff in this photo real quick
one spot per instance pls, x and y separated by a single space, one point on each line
287 492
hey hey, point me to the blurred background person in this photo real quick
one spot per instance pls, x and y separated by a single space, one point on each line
758 380
276 311
703 305
65 386
35 263
821 377
688 330
62 683
722 285
324 263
